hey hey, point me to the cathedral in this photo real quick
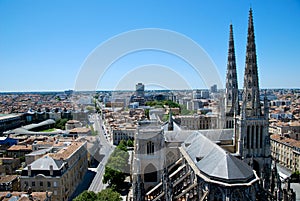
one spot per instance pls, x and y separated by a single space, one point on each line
229 163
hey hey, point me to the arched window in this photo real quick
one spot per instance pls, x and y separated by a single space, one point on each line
249 97
150 173
237 195
218 195
150 148
248 137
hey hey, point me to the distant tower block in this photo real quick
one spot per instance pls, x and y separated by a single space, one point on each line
140 90
214 88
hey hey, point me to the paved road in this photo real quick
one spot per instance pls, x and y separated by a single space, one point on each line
106 149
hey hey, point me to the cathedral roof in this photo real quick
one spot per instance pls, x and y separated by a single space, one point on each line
214 162
177 135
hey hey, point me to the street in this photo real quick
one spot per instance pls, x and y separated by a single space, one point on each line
105 150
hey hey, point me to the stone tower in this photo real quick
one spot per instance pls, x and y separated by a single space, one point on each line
252 125
231 95
149 157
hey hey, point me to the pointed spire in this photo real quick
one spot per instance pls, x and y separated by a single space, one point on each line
231 79
170 122
251 85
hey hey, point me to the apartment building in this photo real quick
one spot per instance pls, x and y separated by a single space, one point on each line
286 151
123 133
59 172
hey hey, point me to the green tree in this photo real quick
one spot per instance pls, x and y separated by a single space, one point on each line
60 123
86 196
130 143
108 195
147 113
113 177
122 145
116 167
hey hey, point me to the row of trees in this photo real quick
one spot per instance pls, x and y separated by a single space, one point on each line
117 167
116 170
171 104
162 104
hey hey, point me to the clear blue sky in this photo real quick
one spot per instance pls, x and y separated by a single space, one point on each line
44 43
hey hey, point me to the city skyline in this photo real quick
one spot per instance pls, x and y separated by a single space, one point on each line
44 44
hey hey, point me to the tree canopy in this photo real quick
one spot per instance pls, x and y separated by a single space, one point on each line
60 124
106 194
117 166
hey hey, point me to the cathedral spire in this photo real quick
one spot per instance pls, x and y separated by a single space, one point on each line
231 79
251 95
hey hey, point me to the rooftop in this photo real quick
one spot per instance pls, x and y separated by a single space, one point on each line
80 130
23 196
285 140
7 178
215 163
20 148
66 152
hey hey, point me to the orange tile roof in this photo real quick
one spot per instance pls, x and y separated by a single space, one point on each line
67 151
7 178
80 130
23 196
285 140
20 148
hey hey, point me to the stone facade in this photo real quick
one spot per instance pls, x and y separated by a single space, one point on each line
198 122
59 172
286 151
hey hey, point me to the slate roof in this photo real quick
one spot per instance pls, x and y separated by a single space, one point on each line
178 135
44 164
216 163
214 135
218 134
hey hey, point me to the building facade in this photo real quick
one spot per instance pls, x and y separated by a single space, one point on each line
286 151
59 172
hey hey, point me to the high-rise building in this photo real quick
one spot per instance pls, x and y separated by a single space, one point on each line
214 88
140 90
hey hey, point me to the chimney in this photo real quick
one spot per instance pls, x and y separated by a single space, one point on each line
29 170
51 170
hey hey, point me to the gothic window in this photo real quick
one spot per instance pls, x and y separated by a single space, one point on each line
257 137
252 134
249 97
249 84
150 173
150 148
236 195
248 137
261 136
218 195
229 96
